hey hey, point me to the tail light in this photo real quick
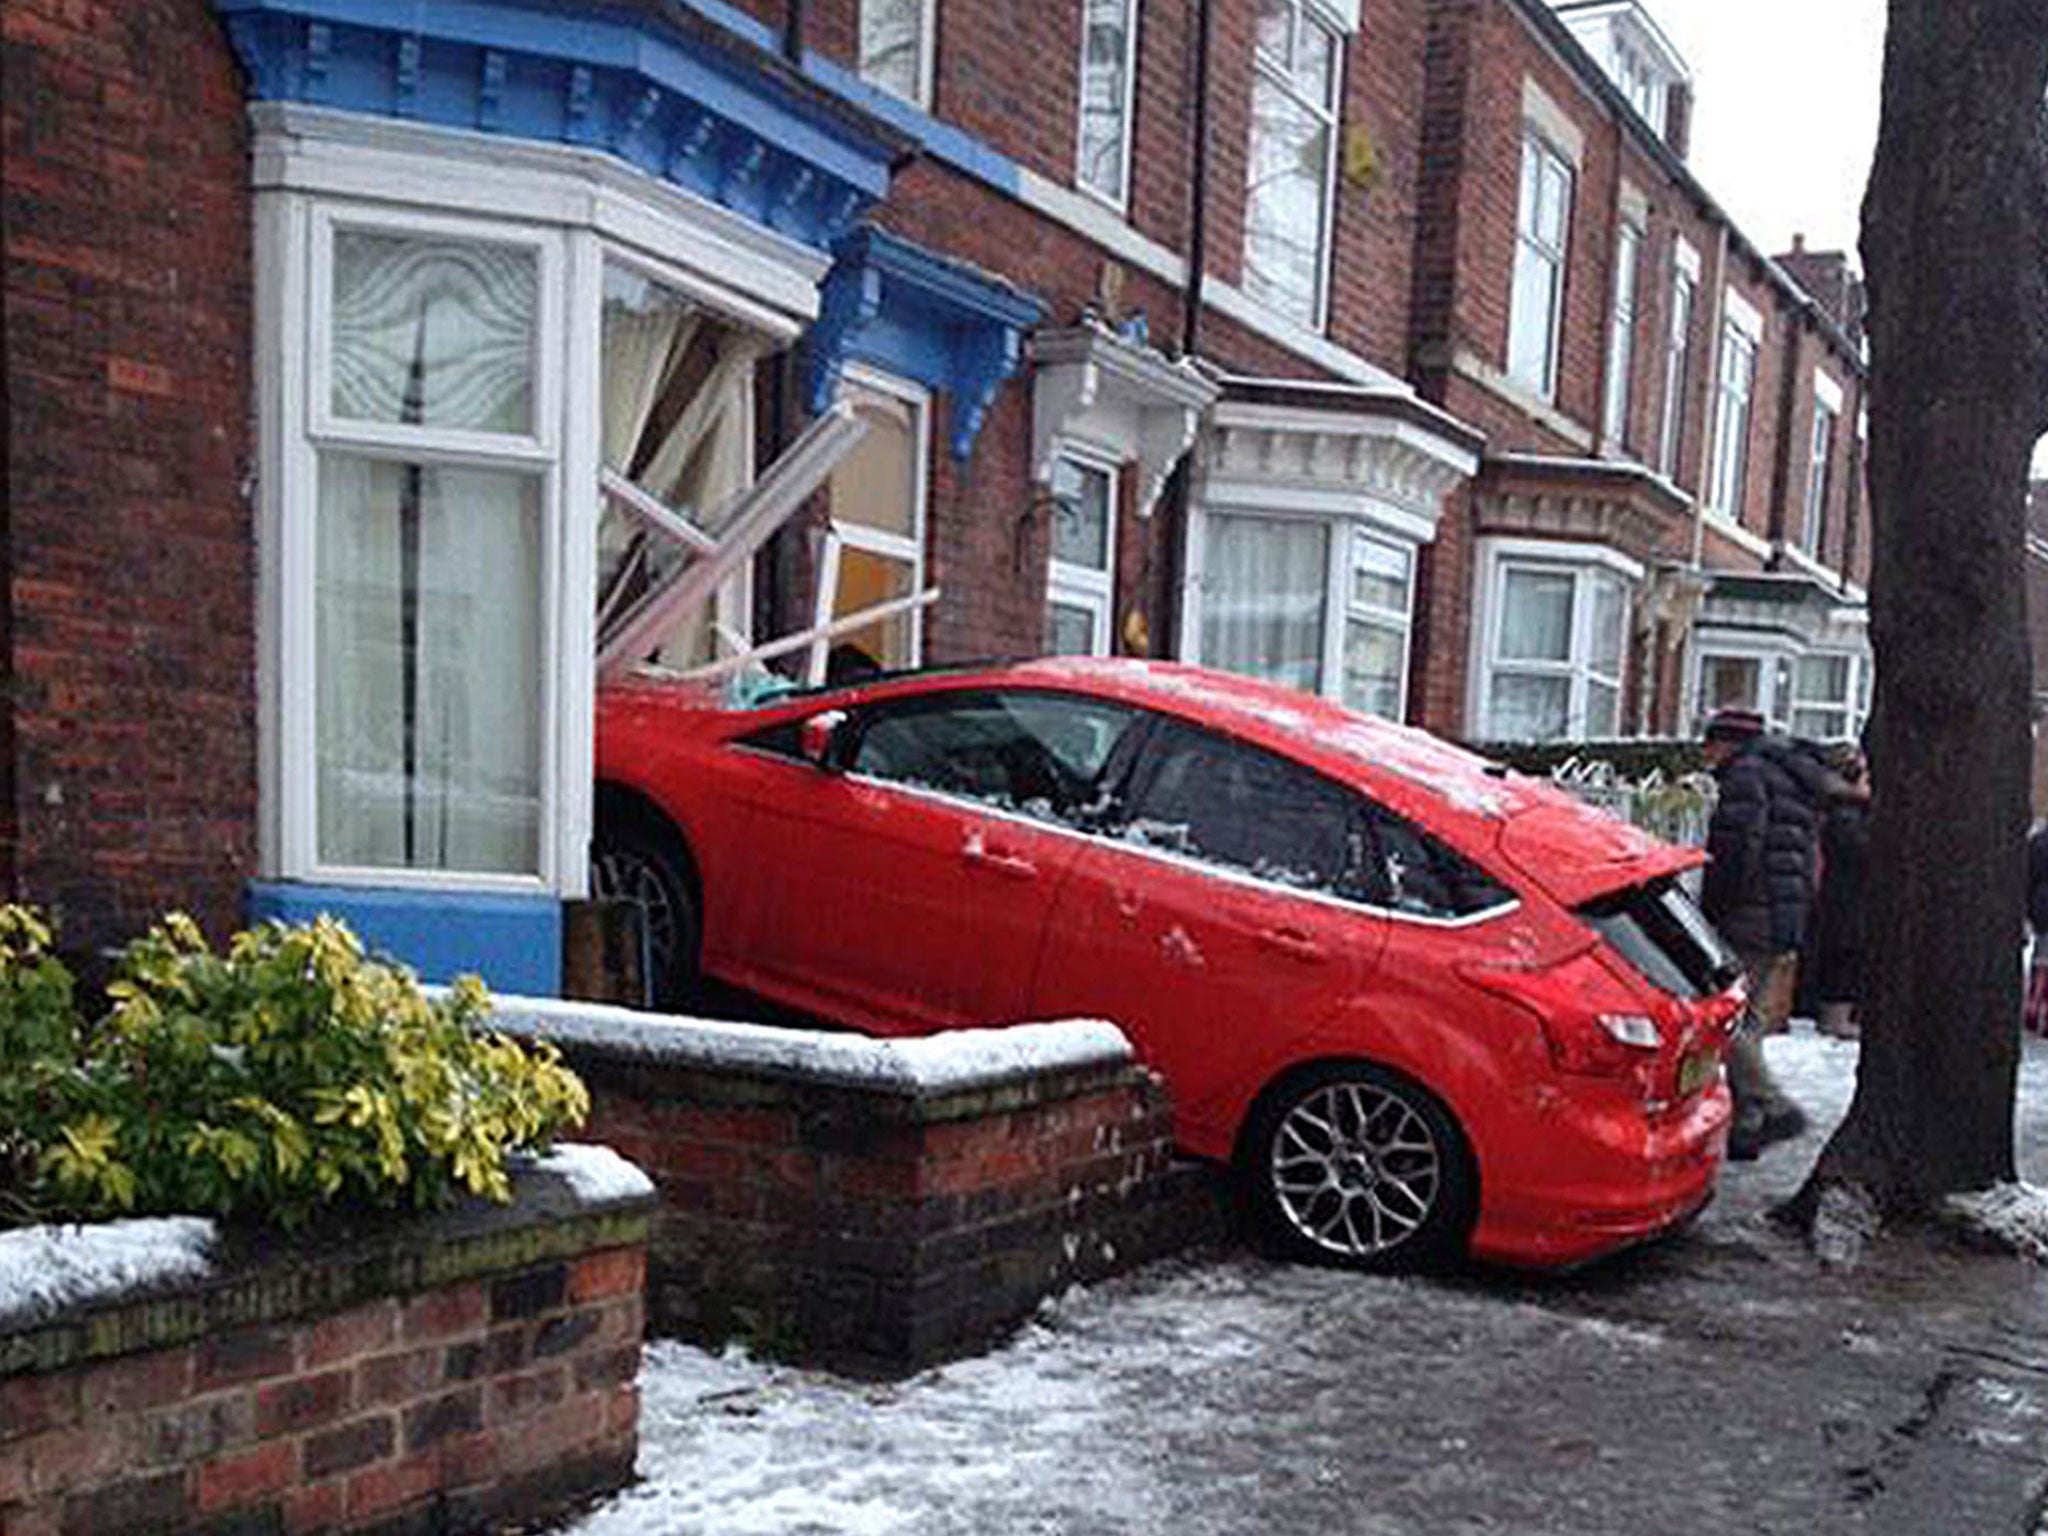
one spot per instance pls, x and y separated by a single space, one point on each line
1594 1025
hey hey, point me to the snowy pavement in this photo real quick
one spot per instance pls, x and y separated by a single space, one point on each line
1720 1381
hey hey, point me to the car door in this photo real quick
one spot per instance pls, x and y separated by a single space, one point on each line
905 885
1210 919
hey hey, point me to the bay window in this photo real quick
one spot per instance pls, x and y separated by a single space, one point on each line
1081 576
1109 38
1292 161
1823 698
1556 638
1325 606
1542 227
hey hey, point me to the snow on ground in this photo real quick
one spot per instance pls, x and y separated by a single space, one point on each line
1079 1423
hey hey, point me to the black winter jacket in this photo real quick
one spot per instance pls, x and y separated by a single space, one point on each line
1761 843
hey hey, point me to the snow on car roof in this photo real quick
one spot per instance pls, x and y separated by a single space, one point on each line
1461 779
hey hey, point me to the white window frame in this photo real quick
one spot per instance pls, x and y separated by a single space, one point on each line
1402 619
927 53
1846 727
1778 699
1827 420
1119 197
1678 329
1586 564
1538 154
315 169
1331 114
909 547
1080 586
1741 343
1340 530
311 429
1621 331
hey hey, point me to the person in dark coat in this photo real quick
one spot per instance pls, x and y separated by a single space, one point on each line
1759 889
1839 925
2035 1018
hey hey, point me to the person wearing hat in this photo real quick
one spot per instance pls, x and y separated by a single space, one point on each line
1771 794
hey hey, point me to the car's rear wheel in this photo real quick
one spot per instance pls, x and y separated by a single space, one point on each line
637 858
1354 1165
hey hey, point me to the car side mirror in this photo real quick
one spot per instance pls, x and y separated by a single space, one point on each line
816 735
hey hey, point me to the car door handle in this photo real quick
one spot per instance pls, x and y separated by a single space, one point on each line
1293 943
978 854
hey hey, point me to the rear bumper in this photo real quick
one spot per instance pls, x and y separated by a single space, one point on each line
1608 1175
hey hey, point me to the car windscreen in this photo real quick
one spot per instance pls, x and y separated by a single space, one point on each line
1660 930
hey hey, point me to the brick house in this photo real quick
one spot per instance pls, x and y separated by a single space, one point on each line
1282 338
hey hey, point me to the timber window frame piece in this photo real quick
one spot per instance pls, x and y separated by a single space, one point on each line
1106 100
1827 416
1291 160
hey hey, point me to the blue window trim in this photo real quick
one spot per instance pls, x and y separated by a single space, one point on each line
920 316
513 942
677 107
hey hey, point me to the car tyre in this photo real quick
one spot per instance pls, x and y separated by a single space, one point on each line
1352 1165
637 857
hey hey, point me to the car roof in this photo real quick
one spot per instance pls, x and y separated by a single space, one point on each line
1571 848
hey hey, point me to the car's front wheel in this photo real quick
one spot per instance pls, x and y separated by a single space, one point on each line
636 858
1353 1165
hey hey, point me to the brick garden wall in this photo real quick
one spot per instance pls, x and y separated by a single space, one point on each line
445 1375
827 1196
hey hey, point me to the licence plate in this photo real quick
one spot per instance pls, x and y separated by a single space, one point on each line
1697 1071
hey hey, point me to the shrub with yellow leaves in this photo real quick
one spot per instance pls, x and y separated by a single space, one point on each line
289 1075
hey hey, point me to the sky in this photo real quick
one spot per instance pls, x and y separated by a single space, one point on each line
1785 110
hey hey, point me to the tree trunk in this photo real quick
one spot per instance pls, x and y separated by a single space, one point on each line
1955 251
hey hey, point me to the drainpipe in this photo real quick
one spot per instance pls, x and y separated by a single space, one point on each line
1170 640
1198 183
793 32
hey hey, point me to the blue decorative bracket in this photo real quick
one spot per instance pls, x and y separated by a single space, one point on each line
655 96
920 316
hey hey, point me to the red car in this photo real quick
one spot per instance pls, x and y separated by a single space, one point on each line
1426 1006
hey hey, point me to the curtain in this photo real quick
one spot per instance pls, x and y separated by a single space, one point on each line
1263 591
433 333
674 411
427 607
429 738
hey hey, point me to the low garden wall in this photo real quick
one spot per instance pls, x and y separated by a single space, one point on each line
446 1373
878 1204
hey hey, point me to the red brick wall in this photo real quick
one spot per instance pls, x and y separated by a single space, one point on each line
130 747
874 1231
460 1408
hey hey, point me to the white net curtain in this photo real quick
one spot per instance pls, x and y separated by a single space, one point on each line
428 573
677 386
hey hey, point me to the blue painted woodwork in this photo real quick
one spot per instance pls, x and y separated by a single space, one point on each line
513 942
919 316
597 76
940 140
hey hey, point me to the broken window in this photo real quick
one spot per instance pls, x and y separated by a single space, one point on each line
677 425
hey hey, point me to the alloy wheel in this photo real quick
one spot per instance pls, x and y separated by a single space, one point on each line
1355 1169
